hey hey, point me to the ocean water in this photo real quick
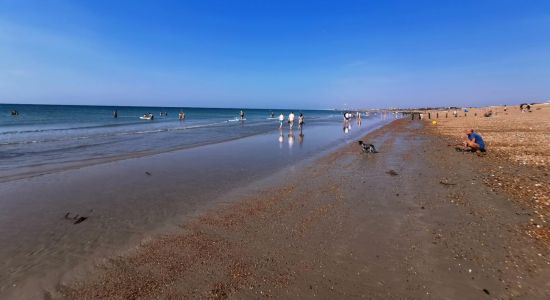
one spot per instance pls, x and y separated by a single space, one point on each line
43 136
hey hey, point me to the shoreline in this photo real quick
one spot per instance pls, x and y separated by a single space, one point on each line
46 140
344 227
45 168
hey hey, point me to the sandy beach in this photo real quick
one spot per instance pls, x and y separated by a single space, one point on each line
417 220
274 149
518 162
129 201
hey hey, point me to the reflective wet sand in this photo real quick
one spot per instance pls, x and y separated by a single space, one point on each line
130 200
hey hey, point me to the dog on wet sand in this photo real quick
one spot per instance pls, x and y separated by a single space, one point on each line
367 148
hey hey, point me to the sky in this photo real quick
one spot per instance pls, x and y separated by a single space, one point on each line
275 54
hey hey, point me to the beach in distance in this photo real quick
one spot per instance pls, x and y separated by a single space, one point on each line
280 212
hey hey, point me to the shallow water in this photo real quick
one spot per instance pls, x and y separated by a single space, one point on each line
43 138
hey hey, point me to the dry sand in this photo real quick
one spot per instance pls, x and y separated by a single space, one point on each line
347 227
518 160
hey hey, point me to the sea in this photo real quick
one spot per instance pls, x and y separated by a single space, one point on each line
42 136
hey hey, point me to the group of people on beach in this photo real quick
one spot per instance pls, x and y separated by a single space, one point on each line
291 118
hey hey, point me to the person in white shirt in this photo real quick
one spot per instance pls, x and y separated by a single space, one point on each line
281 120
291 119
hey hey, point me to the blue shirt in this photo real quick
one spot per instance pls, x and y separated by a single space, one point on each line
477 139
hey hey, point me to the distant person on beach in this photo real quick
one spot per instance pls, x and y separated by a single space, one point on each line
242 115
455 113
281 120
115 114
474 141
291 119
505 108
346 116
181 115
301 121
346 122
359 120
272 115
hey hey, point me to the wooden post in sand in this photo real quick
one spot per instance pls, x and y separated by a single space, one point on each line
446 115
465 114
437 115
429 116
412 116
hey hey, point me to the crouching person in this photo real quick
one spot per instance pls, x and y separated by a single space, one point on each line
474 142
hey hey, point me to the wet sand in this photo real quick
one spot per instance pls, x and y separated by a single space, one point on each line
130 201
345 226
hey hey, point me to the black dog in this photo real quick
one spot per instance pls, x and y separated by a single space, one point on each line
367 148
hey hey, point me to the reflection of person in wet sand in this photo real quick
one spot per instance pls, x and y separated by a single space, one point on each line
347 126
281 137
301 138
290 138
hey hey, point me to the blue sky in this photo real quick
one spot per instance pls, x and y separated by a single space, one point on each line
296 54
